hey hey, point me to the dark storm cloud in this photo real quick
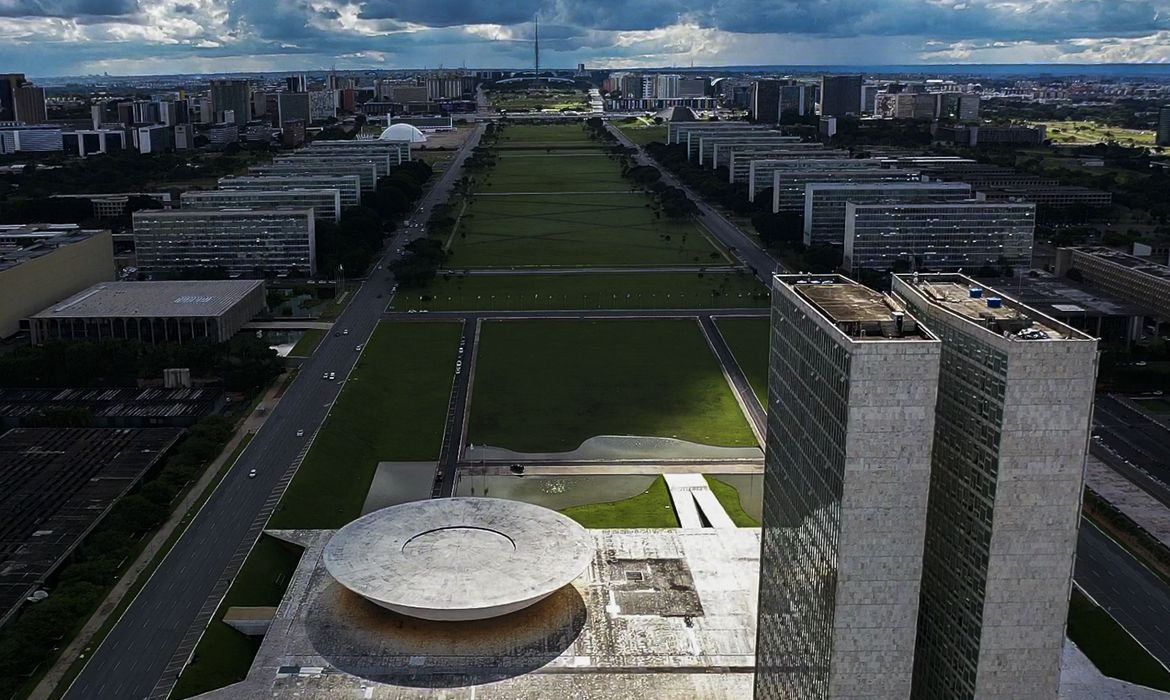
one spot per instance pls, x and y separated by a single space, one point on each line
67 9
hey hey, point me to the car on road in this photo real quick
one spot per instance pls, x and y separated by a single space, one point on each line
300 432
345 331
324 375
332 376
252 474
358 347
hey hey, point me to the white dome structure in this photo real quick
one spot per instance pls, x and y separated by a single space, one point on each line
403 132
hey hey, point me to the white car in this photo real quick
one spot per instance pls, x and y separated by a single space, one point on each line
252 474
358 348
300 432
332 376
345 332
324 375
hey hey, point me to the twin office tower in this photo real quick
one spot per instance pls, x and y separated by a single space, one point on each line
922 493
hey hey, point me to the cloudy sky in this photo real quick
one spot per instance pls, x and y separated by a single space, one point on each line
68 37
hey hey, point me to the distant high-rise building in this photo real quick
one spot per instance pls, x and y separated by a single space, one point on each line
259 103
766 101
296 83
851 395
232 96
1163 137
666 86
692 87
21 101
1012 425
796 100
293 105
840 95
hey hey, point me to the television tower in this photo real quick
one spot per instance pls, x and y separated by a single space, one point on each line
536 41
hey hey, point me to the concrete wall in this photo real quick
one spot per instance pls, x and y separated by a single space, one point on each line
45 280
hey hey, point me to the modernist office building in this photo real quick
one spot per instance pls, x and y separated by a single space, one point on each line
851 395
740 157
722 151
765 106
368 172
707 143
237 241
381 161
840 95
824 203
1162 138
153 312
1134 279
760 170
46 264
938 236
349 186
326 204
399 151
789 184
1011 428
689 133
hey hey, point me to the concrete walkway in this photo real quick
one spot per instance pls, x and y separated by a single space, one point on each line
179 518
1129 498
616 468
691 494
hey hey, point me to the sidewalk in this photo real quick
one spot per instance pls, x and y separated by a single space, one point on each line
145 561
1129 498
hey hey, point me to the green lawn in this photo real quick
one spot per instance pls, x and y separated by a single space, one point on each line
651 508
576 231
728 497
553 170
523 134
223 654
680 290
547 385
748 340
1090 132
308 343
1110 647
642 134
393 408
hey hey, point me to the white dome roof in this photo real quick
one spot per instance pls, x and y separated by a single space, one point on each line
403 132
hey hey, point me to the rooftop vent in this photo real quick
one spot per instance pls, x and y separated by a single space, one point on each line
976 292
994 303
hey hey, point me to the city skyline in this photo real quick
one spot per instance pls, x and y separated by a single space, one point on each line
127 37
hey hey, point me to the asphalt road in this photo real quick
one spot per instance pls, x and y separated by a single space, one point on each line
1133 437
136 659
730 235
1134 595
739 383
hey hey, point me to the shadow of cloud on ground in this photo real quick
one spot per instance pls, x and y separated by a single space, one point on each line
365 640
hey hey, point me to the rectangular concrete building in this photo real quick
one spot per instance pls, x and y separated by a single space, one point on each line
153 312
938 236
232 241
760 170
1129 277
366 172
824 203
851 393
788 185
1011 429
740 157
349 186
381 161
399 151
708 142
326 204
48 266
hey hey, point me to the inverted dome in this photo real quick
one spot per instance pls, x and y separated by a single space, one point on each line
403 132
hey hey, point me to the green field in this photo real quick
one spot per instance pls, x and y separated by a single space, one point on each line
558 135
642 133
650 509
728 497
576 231
557 170
307 343
678 290
1111 649
548 385
748 340
1089 132
223 654
392 408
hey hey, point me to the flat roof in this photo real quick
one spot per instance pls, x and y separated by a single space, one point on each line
1123 259
858 311
46 241
233 212
55 485
166 299
987 308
